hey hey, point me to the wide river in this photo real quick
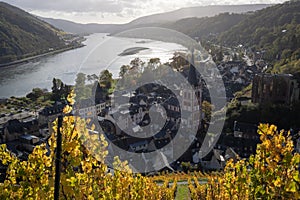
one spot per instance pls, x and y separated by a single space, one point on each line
101 52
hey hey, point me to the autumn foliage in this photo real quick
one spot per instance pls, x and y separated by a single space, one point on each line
272 173
83 174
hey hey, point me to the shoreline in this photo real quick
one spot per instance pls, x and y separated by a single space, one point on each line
24 60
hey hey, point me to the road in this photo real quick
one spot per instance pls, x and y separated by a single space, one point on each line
39 56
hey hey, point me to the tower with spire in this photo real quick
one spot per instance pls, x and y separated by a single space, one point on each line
191 97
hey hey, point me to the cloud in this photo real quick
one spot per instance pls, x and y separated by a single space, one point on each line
115 11
71 5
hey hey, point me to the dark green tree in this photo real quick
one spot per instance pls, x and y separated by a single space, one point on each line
123 70
80 88
105 79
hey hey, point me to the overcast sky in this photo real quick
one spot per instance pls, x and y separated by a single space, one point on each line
114 11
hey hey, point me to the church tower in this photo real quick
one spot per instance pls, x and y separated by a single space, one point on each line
191 97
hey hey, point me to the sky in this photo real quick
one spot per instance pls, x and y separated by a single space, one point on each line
114 11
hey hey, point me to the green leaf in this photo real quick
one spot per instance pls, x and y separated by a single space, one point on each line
292 187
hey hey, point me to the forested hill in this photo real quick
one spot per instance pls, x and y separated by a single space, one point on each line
273 31
23 35
203 27
154 20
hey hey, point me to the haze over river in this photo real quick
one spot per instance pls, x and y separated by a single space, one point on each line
101 52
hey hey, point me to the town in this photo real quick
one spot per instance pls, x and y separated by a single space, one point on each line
158 100
122 114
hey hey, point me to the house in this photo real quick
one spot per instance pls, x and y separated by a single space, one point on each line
13 126
29 139
139 146
243 140
50 113
31 126
216 159
173 112
213 161
28 142
245 130
156 163
231 154
12 130
87 108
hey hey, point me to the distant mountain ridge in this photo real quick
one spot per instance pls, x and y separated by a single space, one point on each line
23 35
199 12
154 20
77 28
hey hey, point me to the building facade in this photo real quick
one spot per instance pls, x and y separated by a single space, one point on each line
275 88
191 98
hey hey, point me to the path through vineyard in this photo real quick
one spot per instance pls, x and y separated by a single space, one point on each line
182 192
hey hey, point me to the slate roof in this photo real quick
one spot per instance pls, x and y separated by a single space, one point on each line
192 77
14 126
52 110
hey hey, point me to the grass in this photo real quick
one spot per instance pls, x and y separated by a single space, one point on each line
182 193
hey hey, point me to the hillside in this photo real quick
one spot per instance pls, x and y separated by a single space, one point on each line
273 31
154 20
78 28
202 27
23 35
199 11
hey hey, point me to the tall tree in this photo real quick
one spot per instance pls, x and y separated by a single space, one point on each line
105 79
123 70
56 89
80 88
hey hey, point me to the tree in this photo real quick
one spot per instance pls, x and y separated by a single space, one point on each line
207 110
123 70
105 79
178 62
137 65
92 78
153 62
80 88
59 90
35 94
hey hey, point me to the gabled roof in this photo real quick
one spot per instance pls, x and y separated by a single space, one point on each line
14 126
52 110
218 155
172 101
230 153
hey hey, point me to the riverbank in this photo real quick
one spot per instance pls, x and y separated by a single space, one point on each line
24 60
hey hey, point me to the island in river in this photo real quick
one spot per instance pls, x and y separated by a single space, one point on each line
132 51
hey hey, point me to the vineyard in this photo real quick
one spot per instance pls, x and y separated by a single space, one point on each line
272 173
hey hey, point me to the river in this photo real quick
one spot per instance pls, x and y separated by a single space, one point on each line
100 52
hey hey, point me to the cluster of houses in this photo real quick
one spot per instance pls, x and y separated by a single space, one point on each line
236 75
23 131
